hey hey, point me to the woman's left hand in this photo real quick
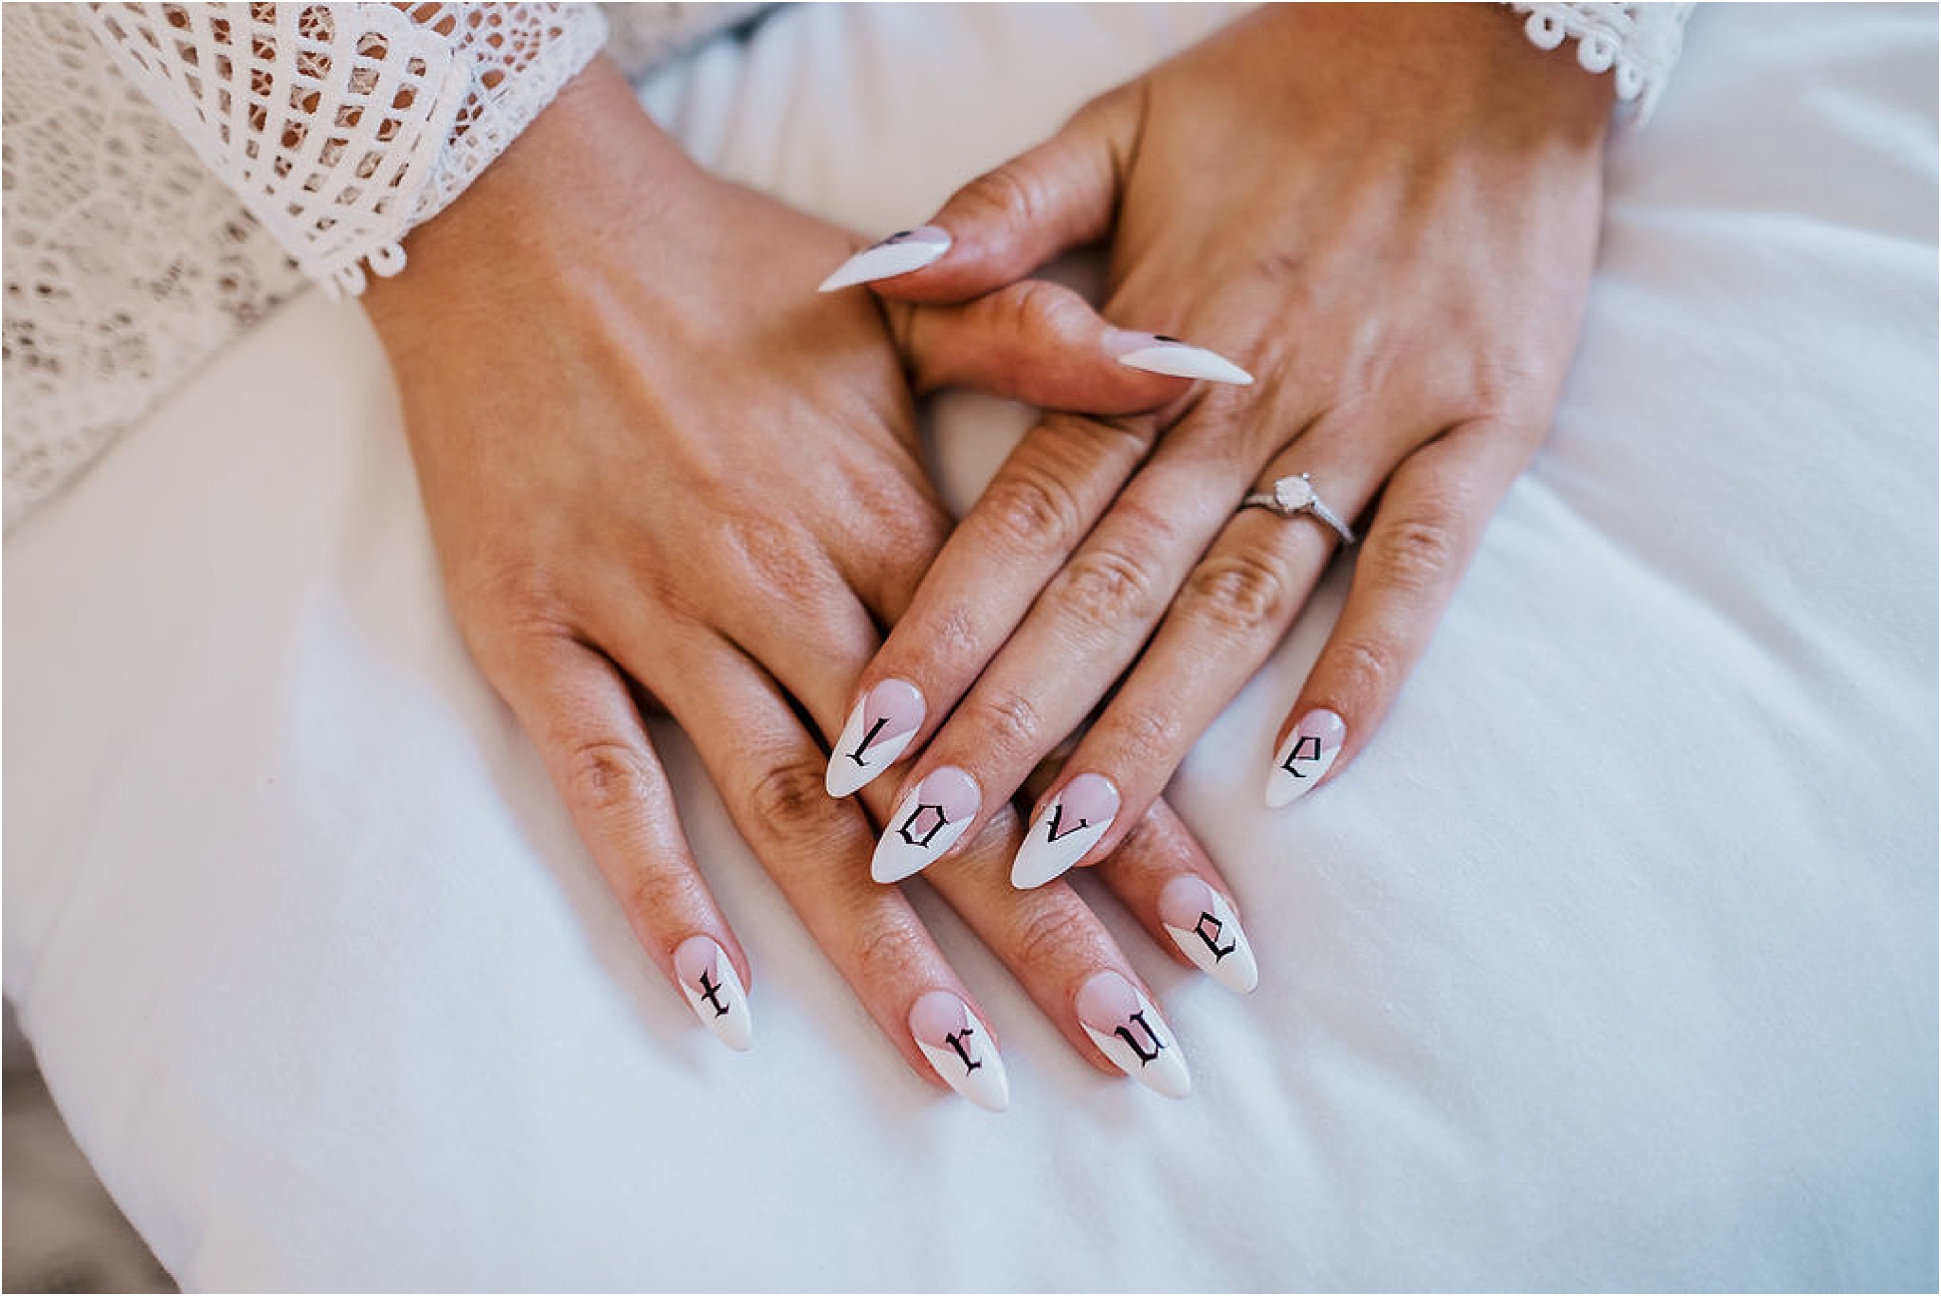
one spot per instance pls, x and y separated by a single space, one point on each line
1389 214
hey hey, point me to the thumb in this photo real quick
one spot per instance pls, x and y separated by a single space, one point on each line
1042 343
1008 222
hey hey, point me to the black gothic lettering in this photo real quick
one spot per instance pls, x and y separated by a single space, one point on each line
1132 1043
1057 814
916 836
1211 937
956 1041
711 991
1306 748
868 738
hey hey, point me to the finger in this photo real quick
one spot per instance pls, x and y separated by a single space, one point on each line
1081 633
1042 343
578 711
1231 611
1041 503
769 773
1432 516
1008 222
1165 878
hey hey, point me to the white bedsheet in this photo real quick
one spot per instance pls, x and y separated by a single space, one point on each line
1611 964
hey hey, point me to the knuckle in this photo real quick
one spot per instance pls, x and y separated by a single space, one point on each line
1052 936
791 792
1029 509
1002 192
1104 586
1007 721
1412 553
883 951
774 552
1362 667
1145 740
1243 593
654 892
607 777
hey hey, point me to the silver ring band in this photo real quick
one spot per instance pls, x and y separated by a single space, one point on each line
1293 496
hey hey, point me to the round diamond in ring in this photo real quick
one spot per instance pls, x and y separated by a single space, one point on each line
1294 496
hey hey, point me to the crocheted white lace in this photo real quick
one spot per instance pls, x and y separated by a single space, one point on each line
164 163
1637 43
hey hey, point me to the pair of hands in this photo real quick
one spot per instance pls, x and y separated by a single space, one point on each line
656 480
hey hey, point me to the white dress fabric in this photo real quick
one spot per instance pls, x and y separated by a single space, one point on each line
1611 964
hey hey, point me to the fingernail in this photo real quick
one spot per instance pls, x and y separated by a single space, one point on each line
930 819
1202 924
900 253
1157 353
959 1049
878 730
1130 1031
1071 825
713 990
1306 755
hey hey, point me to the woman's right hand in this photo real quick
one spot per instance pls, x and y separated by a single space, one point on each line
659 471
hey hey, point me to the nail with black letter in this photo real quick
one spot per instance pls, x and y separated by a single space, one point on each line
930 820
1202 924
713 989
1130 1031
1306 756
900 253
878 730
959 1048
1070 826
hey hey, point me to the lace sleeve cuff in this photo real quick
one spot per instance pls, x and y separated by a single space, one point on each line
1637 43
343 126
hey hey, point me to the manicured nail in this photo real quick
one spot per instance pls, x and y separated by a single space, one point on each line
1071 825
1202 924
930 819
1157 353
1306 755
959 1049
900 253
1130 1031
713 990
880 727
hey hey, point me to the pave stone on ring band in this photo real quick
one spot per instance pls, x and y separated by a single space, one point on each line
1293 496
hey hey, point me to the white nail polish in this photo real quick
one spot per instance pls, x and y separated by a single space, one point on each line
1307 755
1202 924
878 730
1156 353
713 990
1130 1031
927 824
900 253
958 1047
1069 827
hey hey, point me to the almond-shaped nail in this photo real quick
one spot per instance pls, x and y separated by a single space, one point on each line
1305 757
713 990
1157 353
900 253
878 730
1202 924
1070 826
959 1049
927 824
1130 1031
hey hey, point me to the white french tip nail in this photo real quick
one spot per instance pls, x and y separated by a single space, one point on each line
1305 758
1203 925
1176 359
927 824
900 253
959 1049
1132 1034
1069 827
714 991
876 733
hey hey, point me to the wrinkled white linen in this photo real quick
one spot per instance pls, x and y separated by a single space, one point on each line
1612 963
